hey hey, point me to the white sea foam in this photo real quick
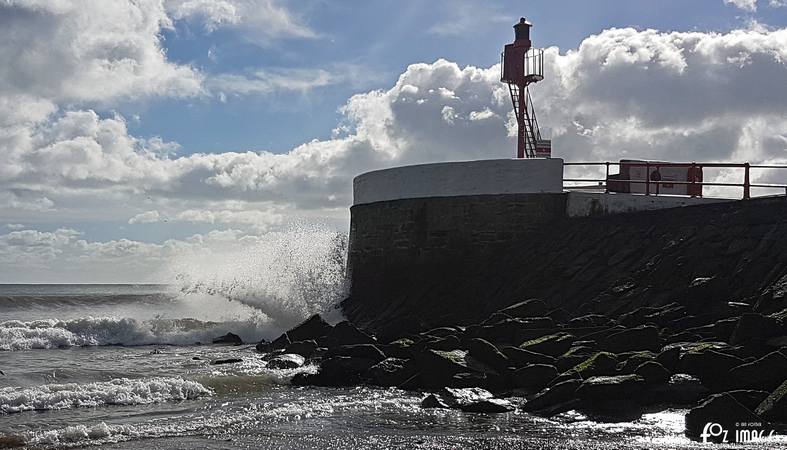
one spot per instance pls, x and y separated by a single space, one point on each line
120 391
88 331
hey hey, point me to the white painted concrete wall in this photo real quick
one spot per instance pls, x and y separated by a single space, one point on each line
491 176
582 204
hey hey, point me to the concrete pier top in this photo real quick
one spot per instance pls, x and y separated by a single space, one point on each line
449 179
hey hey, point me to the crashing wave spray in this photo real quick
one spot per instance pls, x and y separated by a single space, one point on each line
287 275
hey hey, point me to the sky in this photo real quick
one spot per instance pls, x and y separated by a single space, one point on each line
137 134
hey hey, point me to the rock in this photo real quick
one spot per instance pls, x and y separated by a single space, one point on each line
564 363
590 320
549 400
719 408
229 338
400 348
653 372
608 390
364 351
490 405
534 376
447 343
755 328
639 338
390 372
441 332
279 343
774 407
520 358
723 328
217 362
765 373
529 308
484 351
512 331
669 358
286 361
749 398
681 389
437 367
345 333
551 344
634 360
704 291
312 328
455 397
709 366
469 380
601 363
303 348
337 371
432 401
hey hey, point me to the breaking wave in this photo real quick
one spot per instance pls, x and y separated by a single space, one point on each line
287 276
120 391
89 331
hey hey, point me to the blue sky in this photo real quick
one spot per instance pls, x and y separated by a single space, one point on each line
139 134
381 38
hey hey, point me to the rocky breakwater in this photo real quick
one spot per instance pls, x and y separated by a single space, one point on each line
726 366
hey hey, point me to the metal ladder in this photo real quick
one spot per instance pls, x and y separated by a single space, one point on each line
527 122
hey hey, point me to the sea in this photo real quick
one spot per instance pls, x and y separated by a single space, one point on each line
131 366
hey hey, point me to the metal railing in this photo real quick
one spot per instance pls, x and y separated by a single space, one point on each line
745 184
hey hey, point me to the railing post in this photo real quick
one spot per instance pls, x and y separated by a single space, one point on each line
692 173
647 178
746 187
606 180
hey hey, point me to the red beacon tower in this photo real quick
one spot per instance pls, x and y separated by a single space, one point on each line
522 65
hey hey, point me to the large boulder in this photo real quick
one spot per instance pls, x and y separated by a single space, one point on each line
279 343
555 399
551 344
390 372
681 389
653 372
722 409
484 351
515 330
286 361
345 333
765 373
312 328
473 400
400 348
755 328
364 351
774 407
303 348
634 360
710 366
534 376
529 308
436 368
609 390
601 363
336 371
632 339
520 357
229 339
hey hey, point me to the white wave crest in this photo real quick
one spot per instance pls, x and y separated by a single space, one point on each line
120 391
88 331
